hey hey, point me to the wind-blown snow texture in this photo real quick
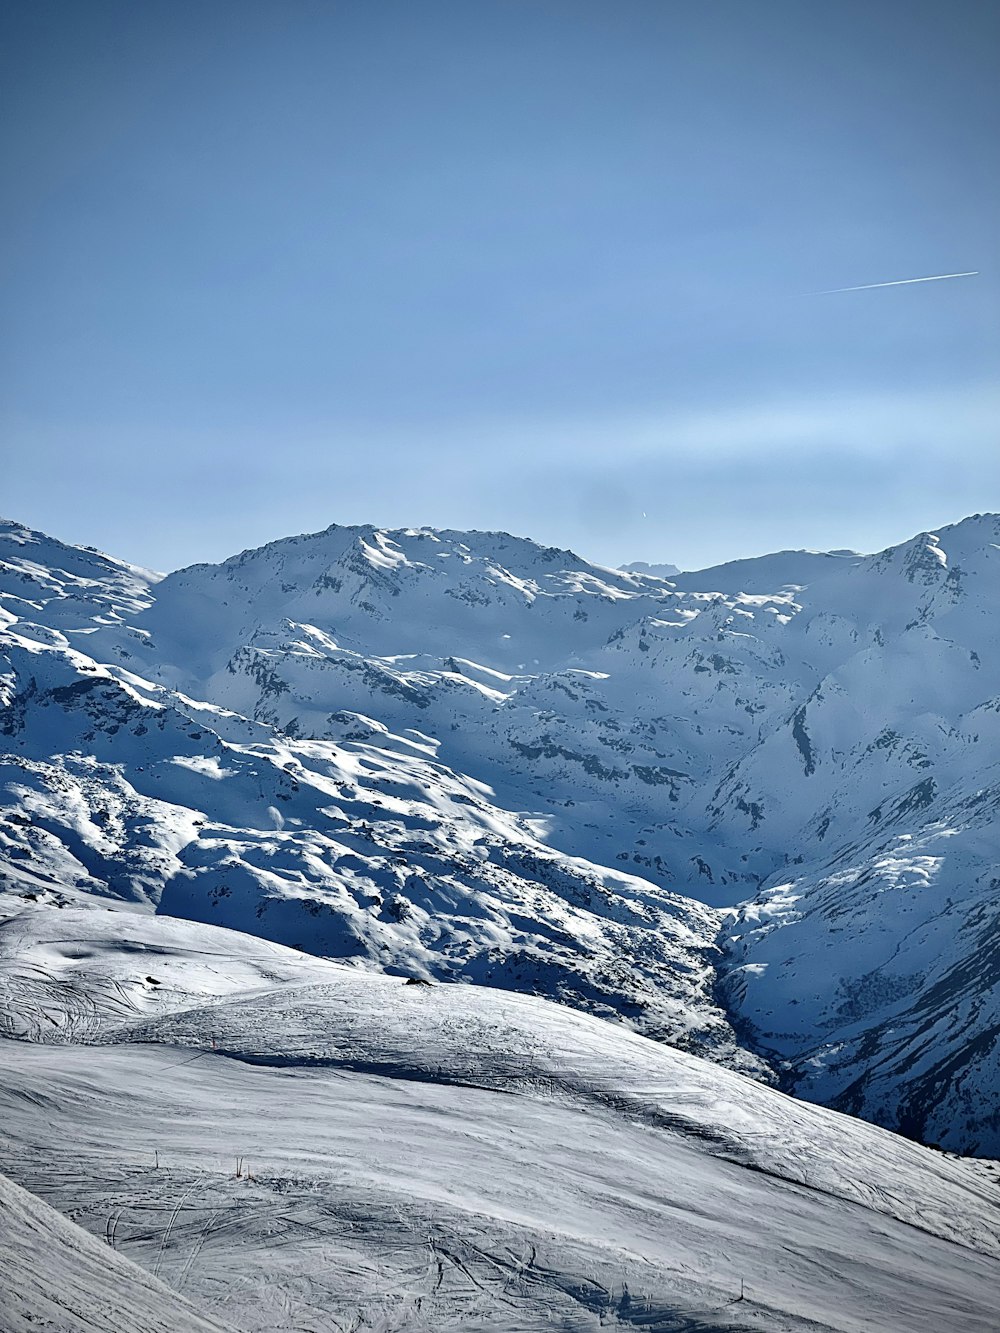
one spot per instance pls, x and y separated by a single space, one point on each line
762 795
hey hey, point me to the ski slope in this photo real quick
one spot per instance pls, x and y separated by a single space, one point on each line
57 1276
300 1145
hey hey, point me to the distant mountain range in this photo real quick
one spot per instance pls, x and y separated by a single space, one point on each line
657 571
750 811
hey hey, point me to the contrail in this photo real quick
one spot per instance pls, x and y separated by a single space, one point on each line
900 282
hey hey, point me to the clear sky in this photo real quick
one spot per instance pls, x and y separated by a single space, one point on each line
540 265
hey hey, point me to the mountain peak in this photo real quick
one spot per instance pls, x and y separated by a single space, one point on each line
471 756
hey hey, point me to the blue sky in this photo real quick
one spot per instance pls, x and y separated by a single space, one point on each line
501 264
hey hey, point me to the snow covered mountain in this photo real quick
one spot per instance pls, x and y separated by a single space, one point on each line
660 571
746 808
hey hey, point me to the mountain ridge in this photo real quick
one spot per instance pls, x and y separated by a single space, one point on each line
700 767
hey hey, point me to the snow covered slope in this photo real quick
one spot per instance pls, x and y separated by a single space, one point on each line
464 755
300 1145
57 1276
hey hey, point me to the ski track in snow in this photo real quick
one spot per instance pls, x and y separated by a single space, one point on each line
416 1157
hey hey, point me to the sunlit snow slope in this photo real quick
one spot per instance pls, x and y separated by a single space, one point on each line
56 1276
768 788
297 1146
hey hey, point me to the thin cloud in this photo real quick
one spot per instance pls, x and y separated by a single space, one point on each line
861 423
900 282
